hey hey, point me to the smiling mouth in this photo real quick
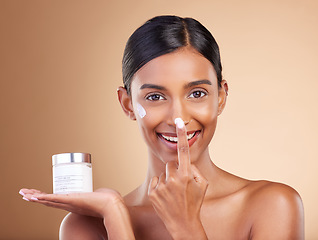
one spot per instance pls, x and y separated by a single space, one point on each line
174 139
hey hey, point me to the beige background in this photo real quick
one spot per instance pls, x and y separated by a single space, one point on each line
60 67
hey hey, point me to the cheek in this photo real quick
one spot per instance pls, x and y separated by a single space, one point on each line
205 113
147 124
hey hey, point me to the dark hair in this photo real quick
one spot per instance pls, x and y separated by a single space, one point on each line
165 34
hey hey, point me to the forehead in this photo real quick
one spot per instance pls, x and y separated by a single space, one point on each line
182 66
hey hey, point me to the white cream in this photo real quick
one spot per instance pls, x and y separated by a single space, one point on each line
141 111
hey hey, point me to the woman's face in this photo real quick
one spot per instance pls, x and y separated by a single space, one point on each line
179 84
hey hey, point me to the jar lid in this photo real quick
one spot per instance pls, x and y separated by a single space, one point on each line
71 157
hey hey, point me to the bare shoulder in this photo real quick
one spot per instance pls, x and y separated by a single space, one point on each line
276 210
270 192
75 226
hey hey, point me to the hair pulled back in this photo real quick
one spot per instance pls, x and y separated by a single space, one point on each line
165 34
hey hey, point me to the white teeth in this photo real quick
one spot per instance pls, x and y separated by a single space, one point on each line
175 139
190 136
171 139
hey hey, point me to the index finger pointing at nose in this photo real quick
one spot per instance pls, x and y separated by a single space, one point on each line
183 146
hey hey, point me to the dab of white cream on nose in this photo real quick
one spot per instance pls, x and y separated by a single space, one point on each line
141 111
179 122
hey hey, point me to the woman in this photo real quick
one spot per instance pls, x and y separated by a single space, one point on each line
173 88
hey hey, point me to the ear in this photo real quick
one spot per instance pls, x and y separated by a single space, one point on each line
223 92
126 102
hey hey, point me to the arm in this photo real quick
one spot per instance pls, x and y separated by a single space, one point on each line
278 212
107 205
117 221
177 195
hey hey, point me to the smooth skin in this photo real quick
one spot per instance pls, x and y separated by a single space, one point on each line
184 195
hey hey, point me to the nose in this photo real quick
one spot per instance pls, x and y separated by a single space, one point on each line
178 109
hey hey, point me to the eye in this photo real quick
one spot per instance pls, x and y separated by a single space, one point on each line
154 97
197 94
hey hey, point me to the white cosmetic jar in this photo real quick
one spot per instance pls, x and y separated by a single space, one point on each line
72 172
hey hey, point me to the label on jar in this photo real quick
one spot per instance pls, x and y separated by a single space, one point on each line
72 177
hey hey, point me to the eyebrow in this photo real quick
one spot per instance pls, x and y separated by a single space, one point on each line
154 86
188 85
199 82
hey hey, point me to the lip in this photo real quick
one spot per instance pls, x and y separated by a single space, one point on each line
173 145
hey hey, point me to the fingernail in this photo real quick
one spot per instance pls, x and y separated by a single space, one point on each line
179 122
21 193
34 198
24 198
